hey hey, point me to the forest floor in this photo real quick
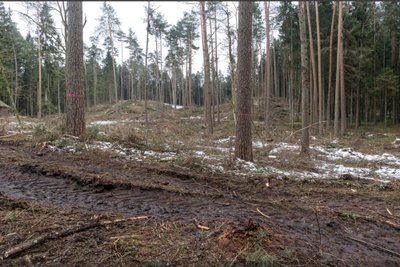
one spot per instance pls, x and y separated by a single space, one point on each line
164 194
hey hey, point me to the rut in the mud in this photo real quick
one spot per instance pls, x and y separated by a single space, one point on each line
308 217
26 182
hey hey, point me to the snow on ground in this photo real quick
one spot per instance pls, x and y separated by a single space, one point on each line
109 122
327 161
375 166
174 106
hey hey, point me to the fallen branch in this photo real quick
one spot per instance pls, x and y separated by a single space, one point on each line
66 232
319 230
265 215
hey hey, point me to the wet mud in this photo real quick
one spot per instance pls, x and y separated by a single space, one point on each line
324 222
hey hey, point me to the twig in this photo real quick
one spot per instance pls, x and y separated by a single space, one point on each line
263 214
235 258
319 231
374 246
301 130
66 232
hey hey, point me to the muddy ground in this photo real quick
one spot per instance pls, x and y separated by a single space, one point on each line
192 218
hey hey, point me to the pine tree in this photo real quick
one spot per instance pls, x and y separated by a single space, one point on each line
243 142
109 29
75 117
305 83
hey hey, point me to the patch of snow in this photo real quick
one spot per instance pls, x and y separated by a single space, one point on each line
251 166
216 168
173 106
199 153
349 153
284 146
258 144
225 140
396 141
195 117
103 122
109 122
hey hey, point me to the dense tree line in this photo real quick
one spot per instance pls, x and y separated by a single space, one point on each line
353 67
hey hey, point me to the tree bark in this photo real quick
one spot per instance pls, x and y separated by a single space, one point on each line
337 89
39 88
342 89
113 64
328 97
216 82
94 82
145 64
305 83
231 67
75 120
319 69
267 79
122 72
206 63
243 142
314 72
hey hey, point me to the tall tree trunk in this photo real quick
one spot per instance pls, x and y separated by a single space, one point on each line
328 97
158 93
394 115
216 82
145 62
206 63
95 82
314 72
162 81
275 66
174 87
122 72
243 142
338 72
113 64
58 96
267 79
358 96
385 108
75 120
291 83
319 68
190 74
39 88
305 83
212 69
16 77
231 68
342 89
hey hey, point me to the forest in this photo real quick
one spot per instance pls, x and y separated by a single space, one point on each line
370 58
281 149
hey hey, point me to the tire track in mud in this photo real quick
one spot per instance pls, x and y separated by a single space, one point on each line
102 185
27 182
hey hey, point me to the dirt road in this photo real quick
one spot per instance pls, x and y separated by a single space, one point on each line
310 222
